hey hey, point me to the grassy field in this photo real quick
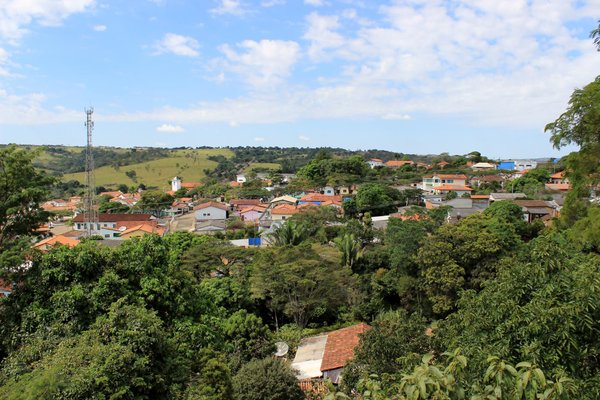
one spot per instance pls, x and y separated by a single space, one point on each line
254 166
187 164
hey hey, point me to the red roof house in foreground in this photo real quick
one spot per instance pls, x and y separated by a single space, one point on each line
325 355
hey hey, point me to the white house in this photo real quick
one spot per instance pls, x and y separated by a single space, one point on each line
210 211
431 182
375 162
240 178
328 191
175 184
522 165
480 166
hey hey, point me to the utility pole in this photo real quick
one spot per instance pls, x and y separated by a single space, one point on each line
90 213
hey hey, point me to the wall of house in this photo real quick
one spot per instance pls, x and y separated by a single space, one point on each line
210 213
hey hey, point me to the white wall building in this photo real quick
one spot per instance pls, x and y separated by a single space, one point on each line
176 184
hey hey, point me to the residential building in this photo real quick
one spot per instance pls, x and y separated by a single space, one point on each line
6 288
283 212
536 209
398 163
59 240
483 179
431 182
506 196
238 204
480 166
115 222
240 178
210 226
558 178
558 187
210 211
141 230
252 213
325 355
375 162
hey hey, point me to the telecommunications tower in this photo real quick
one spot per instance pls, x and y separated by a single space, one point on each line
90 216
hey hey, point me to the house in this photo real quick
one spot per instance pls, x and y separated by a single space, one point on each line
375 162
6 289
458 189
59 240
283 200
62 205
431 182
398 163
210 226
318 199
128 199
347 190
283 212
141 230
442 164
521 165
252 213
240 178
328 191
179 207
325 355
211 211
536 209
506 196
558 178
480 166
238 204
558 187
507 165
118 222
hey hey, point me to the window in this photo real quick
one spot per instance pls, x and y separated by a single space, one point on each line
450 181
107 236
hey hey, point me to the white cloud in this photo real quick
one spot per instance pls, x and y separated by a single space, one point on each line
168 128
262 64
271 3
16 15
396 117
99 28
316 3
304 138
259 139
232 7
178 45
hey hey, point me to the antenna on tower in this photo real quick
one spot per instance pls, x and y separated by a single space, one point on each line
90 216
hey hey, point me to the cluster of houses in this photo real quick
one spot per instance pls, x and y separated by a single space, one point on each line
509 165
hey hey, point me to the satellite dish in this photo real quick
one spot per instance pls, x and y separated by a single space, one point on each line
282 349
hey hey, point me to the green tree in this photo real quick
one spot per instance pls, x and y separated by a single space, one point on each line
350 249
267 379
377 199
23 189
299 282
154 201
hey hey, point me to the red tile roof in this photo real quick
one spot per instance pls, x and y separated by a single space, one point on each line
558 175
398 163
190 185
404 217
54 241
480 196
558 186
452 176
147 228
376 160
340 346
321 198
284 209
211 204
531 203
244 202
453 187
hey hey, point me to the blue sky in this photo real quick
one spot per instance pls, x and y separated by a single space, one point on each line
413 76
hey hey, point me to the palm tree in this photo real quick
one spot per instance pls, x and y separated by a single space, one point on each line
350 248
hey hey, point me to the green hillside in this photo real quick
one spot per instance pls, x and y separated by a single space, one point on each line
189 164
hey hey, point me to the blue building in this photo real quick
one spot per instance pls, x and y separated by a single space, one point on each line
507 165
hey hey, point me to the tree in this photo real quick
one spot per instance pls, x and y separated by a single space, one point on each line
580 125
267 379
377 199
299 282
23 189
350 249
154 201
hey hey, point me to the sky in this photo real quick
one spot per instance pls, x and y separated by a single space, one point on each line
411 76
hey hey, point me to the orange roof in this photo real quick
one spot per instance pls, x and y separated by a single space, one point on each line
321 198
453 187
452 176
443 163
147 228
112 194
398 163
234 184
244 202
558 186
376 160
56 240
259 209
558 175
211 204
190 185
340 345
480 196
284 209
404 217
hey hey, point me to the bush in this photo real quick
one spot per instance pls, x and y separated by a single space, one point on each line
268 379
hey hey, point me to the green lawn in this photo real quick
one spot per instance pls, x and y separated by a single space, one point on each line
187 164
254 166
